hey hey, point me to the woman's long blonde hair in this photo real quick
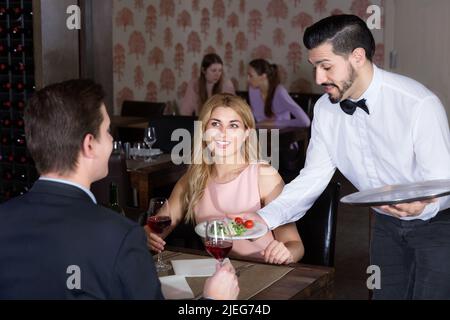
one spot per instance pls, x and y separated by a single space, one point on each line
199 171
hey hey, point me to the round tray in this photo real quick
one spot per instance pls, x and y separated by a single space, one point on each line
401 193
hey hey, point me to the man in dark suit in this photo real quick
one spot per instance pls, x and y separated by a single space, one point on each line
55 241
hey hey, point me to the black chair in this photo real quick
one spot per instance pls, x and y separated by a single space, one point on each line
306 101
166 125
129 134
318 228
144 109
243 95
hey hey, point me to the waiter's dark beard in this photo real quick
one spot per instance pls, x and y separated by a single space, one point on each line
346 84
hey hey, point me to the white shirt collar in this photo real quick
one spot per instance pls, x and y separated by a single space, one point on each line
88 192
373 90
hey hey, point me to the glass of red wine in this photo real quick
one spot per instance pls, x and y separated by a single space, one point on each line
218 238
158 219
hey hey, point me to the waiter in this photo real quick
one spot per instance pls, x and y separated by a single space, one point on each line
377 128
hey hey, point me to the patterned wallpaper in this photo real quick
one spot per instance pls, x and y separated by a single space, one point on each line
158 45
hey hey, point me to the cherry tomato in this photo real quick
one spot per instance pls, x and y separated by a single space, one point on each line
249 224
238 220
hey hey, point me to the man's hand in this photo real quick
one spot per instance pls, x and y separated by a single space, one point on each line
223 285
411 209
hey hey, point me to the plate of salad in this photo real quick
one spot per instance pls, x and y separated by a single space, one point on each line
241 229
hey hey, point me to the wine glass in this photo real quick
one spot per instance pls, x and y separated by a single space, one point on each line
218 238
149 139
158 219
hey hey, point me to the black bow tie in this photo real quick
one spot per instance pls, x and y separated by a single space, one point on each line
349 107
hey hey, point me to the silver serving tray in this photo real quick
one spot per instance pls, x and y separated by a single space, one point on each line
401 193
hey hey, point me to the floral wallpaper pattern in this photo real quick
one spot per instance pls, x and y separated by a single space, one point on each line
158 44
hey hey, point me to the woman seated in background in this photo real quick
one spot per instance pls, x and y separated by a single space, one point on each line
269 100
211 82
226 180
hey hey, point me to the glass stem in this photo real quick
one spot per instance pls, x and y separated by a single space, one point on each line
159 258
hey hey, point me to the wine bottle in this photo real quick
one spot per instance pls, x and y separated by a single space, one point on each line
19 105
4 68
3 32
17 31
21 67
114 199
7 193
6 86
22 159
6 104
19 191
15 13
20 86
18 49
21 175
19 123
6 122
3 51
10 158
5 140
3 13
8 175
20 140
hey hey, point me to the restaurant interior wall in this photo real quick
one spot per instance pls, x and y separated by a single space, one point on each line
158 45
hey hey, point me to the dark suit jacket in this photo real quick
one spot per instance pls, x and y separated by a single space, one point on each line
55 226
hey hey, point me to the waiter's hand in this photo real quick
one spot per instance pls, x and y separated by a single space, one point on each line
411 209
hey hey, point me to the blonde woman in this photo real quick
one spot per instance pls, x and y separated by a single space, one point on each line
226 179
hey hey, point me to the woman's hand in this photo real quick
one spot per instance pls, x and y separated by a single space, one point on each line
154 242
277 253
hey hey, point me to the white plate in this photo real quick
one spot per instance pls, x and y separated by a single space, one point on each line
259 229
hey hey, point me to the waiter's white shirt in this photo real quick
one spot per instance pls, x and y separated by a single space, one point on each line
404 139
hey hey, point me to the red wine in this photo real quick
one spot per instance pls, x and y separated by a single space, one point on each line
158 223
219 249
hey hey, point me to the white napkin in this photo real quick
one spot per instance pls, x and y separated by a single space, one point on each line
195 267
176 288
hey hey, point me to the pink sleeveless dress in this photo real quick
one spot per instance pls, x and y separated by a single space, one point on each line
239 197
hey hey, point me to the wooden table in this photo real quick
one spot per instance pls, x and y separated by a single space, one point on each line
145 177
304 282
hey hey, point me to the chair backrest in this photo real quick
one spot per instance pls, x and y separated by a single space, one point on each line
306 101
143 109
125 134
117 173
166 125
243 95
318 228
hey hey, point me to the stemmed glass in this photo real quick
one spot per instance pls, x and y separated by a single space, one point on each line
158 219
218 238
149 139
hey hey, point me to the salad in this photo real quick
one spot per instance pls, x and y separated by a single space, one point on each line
239 226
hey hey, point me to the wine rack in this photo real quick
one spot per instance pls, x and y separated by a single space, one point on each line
17 170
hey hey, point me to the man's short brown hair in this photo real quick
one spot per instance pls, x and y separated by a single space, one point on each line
58 118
